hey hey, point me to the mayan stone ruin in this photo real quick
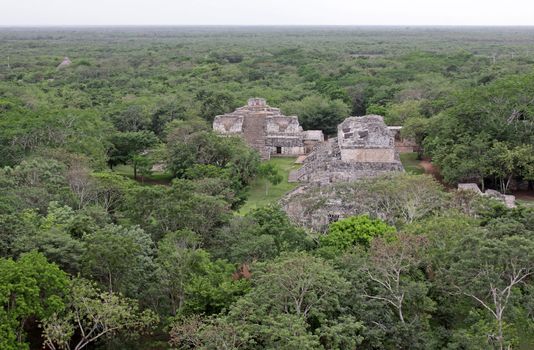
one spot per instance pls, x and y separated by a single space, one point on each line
267 130
364 147
65 63
507 200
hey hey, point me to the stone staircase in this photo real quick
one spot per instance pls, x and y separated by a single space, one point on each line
295 175
255 134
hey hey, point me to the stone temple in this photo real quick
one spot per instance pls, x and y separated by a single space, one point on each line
267 130
364 147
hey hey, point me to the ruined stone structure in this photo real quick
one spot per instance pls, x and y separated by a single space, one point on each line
65 63
388 197
507 200
365 147
267 130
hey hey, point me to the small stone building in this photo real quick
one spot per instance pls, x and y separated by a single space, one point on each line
267 130
364 147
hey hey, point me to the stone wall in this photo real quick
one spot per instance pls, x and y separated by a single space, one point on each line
364 148
376 155
228 124
283 124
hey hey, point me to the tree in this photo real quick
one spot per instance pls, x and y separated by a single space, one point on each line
262 234
205 333
399 113
415 128
133 118
389 292
110 190
298 284
275 332
93 315
187 148
54 236
291 297
130 147
502 164
318 113
355 230
184 205
166 112
489 272
34 183
501 112
213 103
468 160
189 280
30 288
81 184
343 333
119 258
408 197
524 157
271 175
507 162
389 262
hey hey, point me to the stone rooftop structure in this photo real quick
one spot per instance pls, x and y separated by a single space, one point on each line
267 130
365 147
65 63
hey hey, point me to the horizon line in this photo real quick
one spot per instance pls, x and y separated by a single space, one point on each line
261 25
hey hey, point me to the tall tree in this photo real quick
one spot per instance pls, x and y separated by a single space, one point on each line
92 315
130 147
30 288
490 272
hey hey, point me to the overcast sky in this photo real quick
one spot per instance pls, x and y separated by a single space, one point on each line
266 12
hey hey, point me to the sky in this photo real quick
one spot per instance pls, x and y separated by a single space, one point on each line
266 12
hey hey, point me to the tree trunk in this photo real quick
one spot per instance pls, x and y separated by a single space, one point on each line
110 282
507 185
401 316
500 334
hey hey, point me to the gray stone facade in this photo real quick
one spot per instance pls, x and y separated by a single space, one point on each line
267 130
365 147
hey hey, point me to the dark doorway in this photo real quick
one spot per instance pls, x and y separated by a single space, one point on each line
278 150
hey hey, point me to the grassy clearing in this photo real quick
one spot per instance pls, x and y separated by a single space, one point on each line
257 197
154 178
411 163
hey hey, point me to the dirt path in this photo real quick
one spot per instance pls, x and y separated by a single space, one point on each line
431 169
524 195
